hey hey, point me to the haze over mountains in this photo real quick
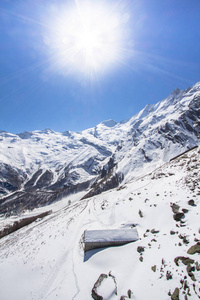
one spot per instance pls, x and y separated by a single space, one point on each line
133 174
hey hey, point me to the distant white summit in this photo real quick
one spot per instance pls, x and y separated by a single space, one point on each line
109 123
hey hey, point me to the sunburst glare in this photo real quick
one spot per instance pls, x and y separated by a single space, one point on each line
88 38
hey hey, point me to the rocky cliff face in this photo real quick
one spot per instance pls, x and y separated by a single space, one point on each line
40 167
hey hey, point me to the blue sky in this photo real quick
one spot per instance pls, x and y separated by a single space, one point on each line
163 40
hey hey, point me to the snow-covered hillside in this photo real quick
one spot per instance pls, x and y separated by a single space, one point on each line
126 175
46 260
40 167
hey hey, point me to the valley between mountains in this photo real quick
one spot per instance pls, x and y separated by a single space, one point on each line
142 173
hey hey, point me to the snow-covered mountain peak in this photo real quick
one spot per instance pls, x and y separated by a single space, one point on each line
25 135
176 92
195 87
149 108
109 123
46 131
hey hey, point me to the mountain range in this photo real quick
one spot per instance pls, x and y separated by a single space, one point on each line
142 173
40 167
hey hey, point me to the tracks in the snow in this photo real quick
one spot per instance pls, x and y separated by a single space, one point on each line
74 239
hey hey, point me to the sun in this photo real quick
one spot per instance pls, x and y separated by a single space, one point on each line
88 38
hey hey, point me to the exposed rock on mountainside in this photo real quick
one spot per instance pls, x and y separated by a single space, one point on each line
21 223
40 167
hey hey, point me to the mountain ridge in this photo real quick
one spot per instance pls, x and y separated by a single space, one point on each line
63 163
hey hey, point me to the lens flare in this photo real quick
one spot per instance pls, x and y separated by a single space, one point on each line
88 38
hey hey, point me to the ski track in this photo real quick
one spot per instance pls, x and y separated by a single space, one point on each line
90 208
60 263
112 215
53 275
75 277
111 219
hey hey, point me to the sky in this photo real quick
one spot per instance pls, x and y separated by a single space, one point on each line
69 65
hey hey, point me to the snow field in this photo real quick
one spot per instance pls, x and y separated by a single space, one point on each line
45 260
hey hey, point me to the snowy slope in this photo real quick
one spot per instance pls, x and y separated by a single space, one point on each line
40 167
46 260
